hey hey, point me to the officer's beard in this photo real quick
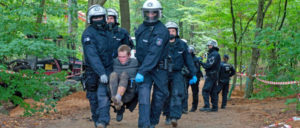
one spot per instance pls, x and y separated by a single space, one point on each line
99 24
111 26
172 37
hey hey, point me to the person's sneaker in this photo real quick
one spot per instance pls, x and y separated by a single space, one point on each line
193 109
184 111
119 117
168 121
101 125
223 107
174 123
204 109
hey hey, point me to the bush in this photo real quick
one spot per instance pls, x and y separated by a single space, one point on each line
29 84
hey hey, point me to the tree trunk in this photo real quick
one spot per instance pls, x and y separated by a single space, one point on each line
125 14
243 31
255 51
73 23
192 34
235 47
40 14
181 29
39 19
241 63
235 66
241 54
92 2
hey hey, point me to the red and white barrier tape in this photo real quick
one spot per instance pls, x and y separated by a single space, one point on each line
245 74
278 83
7 71
279 125
269 82
283 124
70 76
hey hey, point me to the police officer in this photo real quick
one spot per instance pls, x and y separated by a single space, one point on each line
212 67
120 35
195 87
186 75
151 52
226 71
98 64
178 51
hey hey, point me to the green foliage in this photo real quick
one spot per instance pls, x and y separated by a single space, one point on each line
22 35
276 91
292 101
64 88
289 101
18 21
30 84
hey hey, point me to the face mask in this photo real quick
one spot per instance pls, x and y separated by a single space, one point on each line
99 24
172 37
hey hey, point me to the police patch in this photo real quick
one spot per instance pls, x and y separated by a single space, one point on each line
158 41
87 40
150 4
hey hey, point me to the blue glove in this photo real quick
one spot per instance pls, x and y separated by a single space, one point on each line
139 78
193 80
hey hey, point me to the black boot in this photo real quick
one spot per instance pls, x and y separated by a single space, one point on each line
168 121
205 109
193 109
213 109
184 111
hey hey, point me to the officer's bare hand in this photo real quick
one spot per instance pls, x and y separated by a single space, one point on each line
103 78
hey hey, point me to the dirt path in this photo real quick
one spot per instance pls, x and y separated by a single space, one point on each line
73 112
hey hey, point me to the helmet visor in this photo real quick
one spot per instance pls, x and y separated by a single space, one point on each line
151 16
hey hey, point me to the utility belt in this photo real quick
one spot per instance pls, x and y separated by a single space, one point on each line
89 79
166 64
213 74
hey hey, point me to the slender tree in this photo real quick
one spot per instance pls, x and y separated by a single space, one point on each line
125 15
261 11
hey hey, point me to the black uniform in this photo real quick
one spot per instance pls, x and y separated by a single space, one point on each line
97 61
195 87
212 67
178 51
186 75
226 71
120 36
151 51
